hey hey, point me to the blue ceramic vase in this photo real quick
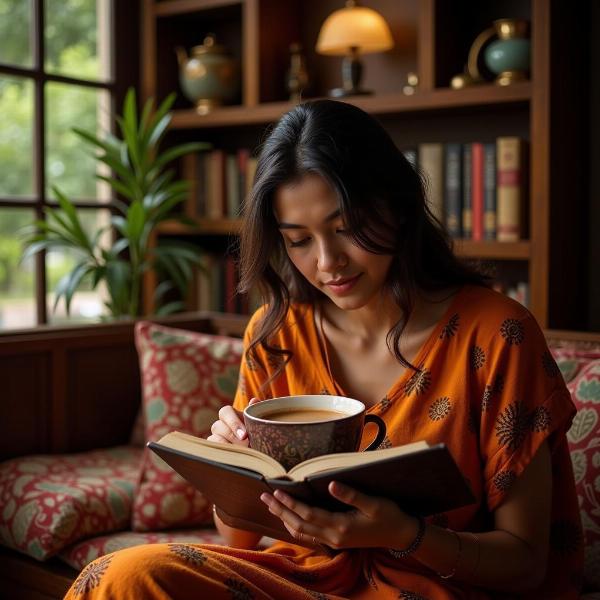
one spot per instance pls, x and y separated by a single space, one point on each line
509 57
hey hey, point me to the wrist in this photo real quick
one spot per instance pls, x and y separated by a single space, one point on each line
413 539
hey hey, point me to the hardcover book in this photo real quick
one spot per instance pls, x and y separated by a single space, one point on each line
422 479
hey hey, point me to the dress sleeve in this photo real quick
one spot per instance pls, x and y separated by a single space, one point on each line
524 402
251 375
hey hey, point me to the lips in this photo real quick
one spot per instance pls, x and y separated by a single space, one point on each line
341 281
343 285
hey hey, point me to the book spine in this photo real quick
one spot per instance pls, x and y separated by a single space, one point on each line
477 190
216 197
431 162
201 188
453 200
189 174
230 285
509 162
232 187
467 212
489 186
243 155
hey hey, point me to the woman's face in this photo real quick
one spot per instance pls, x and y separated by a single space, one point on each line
322 250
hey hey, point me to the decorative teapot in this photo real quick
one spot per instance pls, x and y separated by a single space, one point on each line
209 77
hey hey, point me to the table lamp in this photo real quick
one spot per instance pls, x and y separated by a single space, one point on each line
350 32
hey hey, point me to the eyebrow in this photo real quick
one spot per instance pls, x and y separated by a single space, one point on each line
334 215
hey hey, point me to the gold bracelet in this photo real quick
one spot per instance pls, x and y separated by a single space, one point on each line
478 543
458 556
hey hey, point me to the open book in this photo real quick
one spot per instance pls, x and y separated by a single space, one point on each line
422 479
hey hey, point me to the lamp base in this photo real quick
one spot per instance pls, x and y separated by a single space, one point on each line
344 93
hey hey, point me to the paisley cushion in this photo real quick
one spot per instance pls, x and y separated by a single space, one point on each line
49 502
186 378
82 553
584 443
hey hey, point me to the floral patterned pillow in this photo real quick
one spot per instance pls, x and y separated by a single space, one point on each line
186 378
584 444
50 501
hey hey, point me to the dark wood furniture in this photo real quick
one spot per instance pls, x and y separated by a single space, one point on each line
432 39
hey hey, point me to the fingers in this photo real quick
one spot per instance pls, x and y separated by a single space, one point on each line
368 505
230 427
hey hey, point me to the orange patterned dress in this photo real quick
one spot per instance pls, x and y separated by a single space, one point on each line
487 387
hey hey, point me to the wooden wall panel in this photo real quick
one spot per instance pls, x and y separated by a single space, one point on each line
24 401
103 396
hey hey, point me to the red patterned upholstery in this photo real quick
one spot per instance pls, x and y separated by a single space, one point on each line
49 502
186 378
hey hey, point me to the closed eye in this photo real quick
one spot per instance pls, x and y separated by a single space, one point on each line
298 243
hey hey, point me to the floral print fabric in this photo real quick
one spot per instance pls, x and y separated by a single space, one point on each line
186 378
49 502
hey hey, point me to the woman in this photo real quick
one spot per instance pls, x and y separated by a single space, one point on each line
364 298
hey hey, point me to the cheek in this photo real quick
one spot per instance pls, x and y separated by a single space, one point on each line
301 261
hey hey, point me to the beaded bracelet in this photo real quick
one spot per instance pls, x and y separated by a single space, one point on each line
415 543
457 561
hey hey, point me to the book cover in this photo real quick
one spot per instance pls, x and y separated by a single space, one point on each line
489 191
467 212
431 163
232 187
452 191
509 163
423 481
477 190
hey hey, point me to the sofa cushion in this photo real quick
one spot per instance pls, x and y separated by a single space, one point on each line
82 553
584 443
186 378
571 359
48 502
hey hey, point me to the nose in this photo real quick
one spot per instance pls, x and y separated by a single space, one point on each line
330 256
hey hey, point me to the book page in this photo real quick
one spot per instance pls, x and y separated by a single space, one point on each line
344 460
229 454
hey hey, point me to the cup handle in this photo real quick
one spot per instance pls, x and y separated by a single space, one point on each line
380 434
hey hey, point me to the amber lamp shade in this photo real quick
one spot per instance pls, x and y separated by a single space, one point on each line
351 32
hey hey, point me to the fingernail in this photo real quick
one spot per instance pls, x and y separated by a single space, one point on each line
240 433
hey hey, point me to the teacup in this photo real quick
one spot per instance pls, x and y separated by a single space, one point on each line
292 429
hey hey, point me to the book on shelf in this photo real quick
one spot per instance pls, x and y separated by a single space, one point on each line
423 479
489 191
453 189
467 204
510 188
477 191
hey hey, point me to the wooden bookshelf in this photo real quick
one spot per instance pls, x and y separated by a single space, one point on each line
434 38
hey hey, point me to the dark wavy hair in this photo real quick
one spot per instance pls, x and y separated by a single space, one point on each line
382 202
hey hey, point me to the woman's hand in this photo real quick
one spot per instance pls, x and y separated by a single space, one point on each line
374 522
229 429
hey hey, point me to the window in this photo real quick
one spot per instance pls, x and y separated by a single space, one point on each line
56 72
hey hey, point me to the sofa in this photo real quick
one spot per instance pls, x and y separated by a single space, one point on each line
77 483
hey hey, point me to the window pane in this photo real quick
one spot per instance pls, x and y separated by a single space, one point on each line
15 32
16 136
77 38
86 304
70 162
17 280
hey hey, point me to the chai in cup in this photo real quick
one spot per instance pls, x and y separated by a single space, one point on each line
292 429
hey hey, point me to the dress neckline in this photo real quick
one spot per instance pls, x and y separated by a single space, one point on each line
418 360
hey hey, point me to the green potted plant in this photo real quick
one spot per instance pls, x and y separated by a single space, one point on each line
140 175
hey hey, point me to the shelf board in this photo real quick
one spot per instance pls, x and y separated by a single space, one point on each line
493 250
179 7
203 227
440 99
